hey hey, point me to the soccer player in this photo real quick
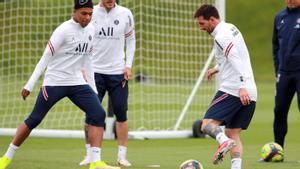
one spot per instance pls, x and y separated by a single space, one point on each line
112 65
234 102
286 56
66 54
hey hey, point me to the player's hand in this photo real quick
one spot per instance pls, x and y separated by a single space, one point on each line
244 96
25 93
127 73
84 75
211 72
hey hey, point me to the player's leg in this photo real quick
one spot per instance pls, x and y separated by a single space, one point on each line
285 90
95 136
298 89
101 88
239 122
237 151
220 111
118 92
298 92
100 81
86 99
47 97
86 160
213 129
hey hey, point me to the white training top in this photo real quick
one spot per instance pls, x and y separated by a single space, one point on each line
233 61
68 53
112 28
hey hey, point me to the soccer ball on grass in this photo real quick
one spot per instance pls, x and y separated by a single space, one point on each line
272 152
191 164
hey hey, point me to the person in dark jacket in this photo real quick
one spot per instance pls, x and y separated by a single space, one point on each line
286 55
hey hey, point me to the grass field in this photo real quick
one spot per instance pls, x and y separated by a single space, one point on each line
40 153
65 154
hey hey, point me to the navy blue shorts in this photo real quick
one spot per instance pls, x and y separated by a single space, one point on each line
82 96
230 111
117 88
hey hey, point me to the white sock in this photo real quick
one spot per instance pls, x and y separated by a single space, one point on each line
95 154
88 151
221 138
122 152
236 163
11 151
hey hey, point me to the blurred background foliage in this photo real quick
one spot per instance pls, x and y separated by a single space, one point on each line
255 20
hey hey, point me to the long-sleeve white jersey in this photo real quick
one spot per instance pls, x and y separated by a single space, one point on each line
112 29
233 61
68 52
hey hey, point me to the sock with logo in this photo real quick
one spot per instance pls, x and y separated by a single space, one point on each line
221 138
95 154
122 152
236 163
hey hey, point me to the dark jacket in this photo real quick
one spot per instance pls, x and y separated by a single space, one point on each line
286 41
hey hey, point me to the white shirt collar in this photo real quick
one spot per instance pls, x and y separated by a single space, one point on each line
217 28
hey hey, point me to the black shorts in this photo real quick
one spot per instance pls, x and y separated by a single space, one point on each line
229 110
117 88
81 95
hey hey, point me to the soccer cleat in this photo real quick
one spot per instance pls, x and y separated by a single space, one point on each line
84 162
4 162
124 163
101 165
222 150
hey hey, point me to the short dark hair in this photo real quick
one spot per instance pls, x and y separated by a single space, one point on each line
207 11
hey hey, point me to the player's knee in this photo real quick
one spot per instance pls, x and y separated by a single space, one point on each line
281 108
32 122
204 124
120 112
233 133
96 119
121 116
280 112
